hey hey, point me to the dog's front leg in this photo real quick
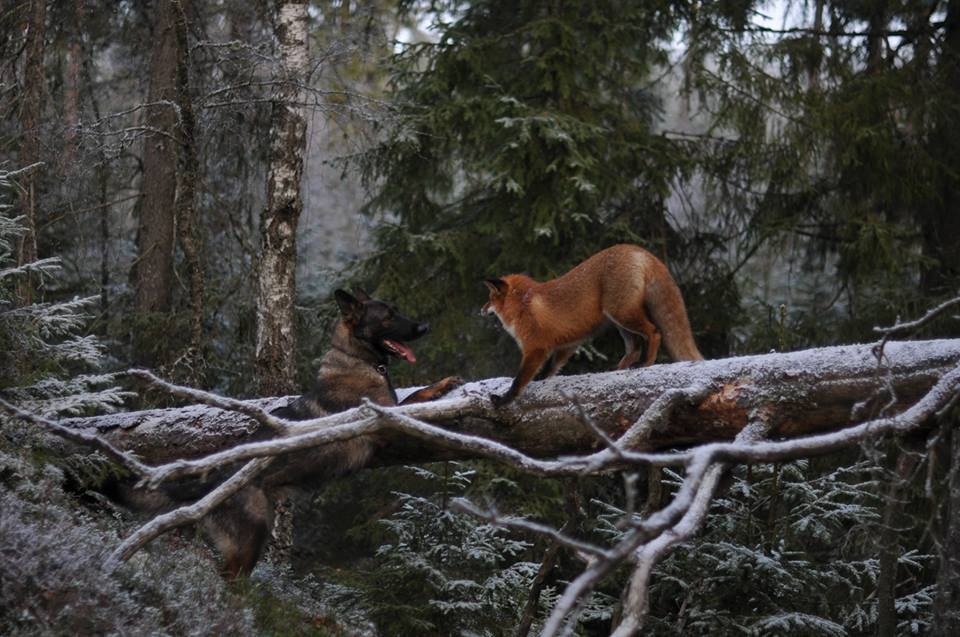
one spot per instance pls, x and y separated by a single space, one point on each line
434 391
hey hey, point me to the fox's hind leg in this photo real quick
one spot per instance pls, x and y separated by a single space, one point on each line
632 331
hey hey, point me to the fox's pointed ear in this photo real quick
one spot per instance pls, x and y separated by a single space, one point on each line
496 285
350 308
361 295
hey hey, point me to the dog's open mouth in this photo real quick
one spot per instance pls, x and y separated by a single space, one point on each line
400 350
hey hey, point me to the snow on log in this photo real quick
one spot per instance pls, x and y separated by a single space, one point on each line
800 393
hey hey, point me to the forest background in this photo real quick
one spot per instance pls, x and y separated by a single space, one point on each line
795 164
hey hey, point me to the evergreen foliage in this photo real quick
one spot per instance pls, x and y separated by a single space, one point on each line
526 142
437 571
42 353
51 579
789 550
822 148
531 135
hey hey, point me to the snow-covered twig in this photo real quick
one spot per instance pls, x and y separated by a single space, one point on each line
587 550
908 327
43 267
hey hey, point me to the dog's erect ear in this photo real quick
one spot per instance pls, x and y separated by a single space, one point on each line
496 285
351 309
361 295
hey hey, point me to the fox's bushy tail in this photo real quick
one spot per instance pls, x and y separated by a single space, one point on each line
665 306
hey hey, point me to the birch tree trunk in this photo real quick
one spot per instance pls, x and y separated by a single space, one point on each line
276 337
30 112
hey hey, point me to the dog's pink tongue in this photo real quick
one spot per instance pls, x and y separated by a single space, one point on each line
405 352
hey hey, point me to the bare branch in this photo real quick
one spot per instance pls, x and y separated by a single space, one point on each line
596 429
651 553
179 469
900 329
186 514
521 524
574 514
829 33
11 174
196 395
489 449
658 414
630 498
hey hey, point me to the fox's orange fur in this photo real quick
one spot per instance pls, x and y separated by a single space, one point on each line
624 285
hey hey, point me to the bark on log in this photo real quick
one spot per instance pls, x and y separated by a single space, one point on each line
800 393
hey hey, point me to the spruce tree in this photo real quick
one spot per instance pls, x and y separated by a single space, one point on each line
525 141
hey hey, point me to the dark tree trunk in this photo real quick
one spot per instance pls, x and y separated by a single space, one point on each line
30 112
946 610
187 176
816 58
877 22
71 91
102 171
904 464
276 333
940 221
155 232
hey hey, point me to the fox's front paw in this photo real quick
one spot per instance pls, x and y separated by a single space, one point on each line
500 401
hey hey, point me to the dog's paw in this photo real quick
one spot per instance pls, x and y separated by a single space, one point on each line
452 382
447 385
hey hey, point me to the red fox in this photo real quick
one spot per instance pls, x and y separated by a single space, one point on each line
624 285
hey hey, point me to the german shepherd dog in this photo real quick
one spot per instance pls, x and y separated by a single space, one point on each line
368 334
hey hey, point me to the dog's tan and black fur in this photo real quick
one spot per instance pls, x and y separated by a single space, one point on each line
368 335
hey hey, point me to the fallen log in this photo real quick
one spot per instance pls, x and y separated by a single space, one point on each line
798 393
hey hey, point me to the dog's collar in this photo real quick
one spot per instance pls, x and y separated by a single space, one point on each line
381 367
